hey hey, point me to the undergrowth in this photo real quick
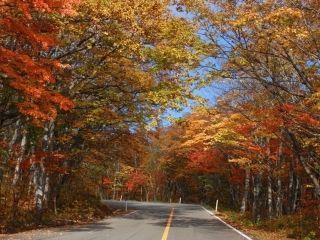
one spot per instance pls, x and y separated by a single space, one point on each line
302 226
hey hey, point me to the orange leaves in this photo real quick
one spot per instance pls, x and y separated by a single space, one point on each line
52 161
272 125
284 16
299 115
31 35
43 108
236 176
36 112
254 148
65 104
63 7
24 8
106 181
28 73
306 118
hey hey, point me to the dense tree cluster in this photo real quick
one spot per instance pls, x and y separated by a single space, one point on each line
80 81
83 85
257 149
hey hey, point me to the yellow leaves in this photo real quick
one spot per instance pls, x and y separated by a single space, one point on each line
284 16
227 137
258 16
241 161
244 18
212 130
65 138
199 138
150 48
314 101
135 14
102 116
170 58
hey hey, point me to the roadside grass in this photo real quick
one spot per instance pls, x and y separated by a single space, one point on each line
295 226
80 212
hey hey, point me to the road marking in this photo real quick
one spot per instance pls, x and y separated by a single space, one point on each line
166 230
234 229
208 211
131 213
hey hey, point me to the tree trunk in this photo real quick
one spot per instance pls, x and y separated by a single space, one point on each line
246 191
38 181
114 188
232 195
290 190
293 190
55 204
20 158
41 177
141 194
147 195
312 176
14 136
279 198
46 187
295 194
270 208
279 182
256 197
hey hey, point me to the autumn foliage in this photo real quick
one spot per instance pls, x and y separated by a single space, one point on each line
81 84
26 66
85 86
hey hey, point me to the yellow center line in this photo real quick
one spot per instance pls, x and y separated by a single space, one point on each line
166 230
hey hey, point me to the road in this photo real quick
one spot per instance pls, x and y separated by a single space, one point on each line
149 221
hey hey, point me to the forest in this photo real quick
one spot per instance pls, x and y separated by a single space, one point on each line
89 96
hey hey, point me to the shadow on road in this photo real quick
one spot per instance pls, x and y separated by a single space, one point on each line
185 215
94 227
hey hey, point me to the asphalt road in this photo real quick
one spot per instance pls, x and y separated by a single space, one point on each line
150 221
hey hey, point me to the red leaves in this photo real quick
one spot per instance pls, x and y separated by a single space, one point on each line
288 107
28 73
106 181
245 129
24 8
236 176
135 180
51 161
206 161
130 186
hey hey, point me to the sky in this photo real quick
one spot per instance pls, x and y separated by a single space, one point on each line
210 92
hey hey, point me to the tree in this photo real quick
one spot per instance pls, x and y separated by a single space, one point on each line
27 34
270 46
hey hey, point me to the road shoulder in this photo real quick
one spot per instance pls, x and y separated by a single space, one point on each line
231 227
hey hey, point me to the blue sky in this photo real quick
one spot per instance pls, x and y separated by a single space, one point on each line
210 92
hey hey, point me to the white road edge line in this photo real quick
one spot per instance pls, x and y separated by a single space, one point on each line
234 229
131 213
208 211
